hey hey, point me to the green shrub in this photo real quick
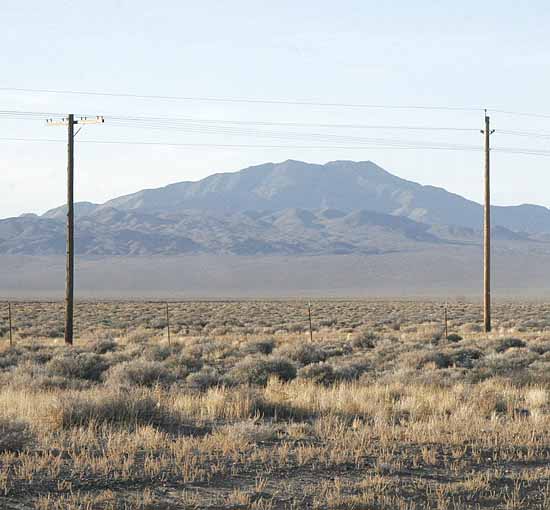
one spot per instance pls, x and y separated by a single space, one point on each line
139 373
139 335
303 352
204 379
157 352
509 343
351 370
439 359
83 365
453 337
190 361
320 373
259 346
256 370
364 340
104 346
464 358
30 376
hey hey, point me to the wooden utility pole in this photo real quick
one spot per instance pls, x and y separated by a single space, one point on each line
69 279
487 230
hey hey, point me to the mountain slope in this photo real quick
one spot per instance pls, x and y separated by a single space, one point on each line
108 231
341 185
288 208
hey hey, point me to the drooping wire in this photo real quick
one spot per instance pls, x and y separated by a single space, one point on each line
241 100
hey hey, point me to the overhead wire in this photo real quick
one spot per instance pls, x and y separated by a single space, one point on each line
227 127
240 100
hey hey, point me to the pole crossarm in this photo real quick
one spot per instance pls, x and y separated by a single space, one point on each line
98 119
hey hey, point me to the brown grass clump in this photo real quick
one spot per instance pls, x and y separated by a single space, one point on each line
110 407
15 435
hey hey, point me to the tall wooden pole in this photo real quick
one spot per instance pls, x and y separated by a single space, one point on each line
69 282
487 231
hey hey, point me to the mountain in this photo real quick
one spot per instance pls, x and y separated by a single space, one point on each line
289 208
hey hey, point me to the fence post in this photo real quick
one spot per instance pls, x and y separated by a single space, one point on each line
446 328
310 325
168 323
9 318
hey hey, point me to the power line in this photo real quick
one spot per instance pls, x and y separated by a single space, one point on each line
529 134
17 115
523 114
233 128
242 100
242 128
387 144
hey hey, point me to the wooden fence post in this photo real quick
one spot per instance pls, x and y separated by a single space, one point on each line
446 328
168 323
310 325
9 317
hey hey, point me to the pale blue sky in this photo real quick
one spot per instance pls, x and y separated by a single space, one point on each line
472 54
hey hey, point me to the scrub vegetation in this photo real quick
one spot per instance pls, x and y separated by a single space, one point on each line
240 409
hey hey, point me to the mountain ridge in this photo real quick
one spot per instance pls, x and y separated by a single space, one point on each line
286 208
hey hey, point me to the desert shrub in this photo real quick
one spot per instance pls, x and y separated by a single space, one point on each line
464 358
350 370
9 357
507 363
108 407
472 327
157 352
509 343
189 364
259 346
139 373
40 356
303 352
30 376
320 373
139 335
296 328
434 358
337 348
363 340
453 337
104 346
540 347
203 379
84 365
258 370
14 435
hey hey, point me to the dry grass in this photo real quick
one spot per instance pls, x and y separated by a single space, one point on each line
242 411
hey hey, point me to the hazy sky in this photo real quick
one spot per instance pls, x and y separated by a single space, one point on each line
459 54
